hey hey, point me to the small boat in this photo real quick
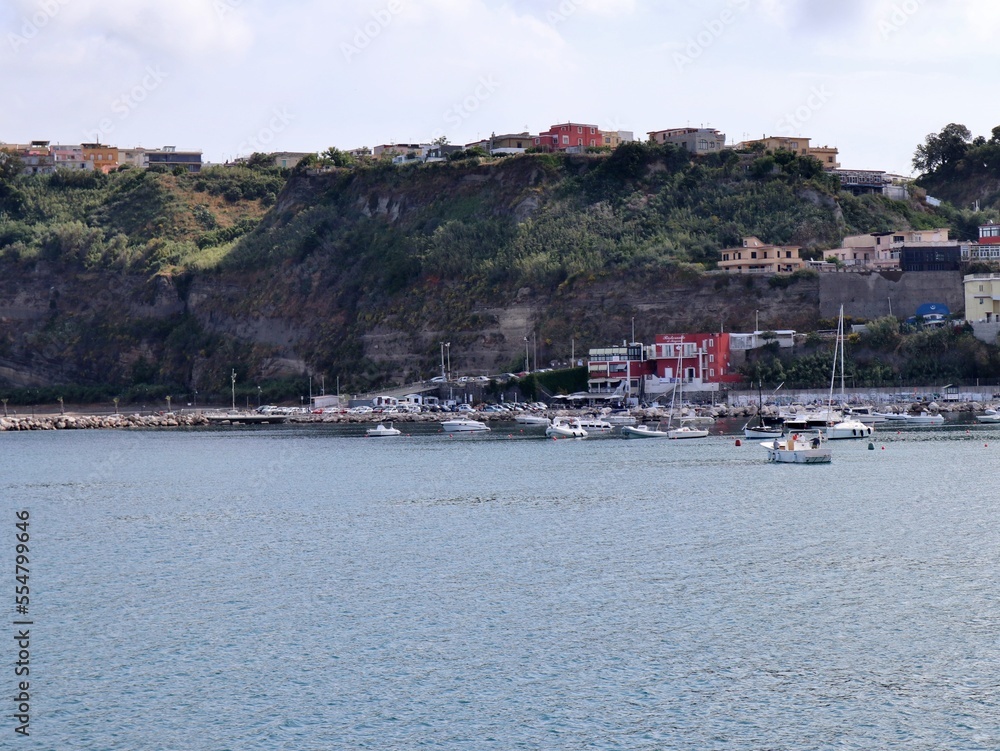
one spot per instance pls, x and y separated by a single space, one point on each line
464 425
594 424
531 420
686 431
643 431
924 418
761 429
620 417
798 449
989 416
864 414
891 416
563 427
847 428
382 430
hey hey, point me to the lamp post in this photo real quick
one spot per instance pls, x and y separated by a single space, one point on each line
234 389
258 397
443 372
447 347
527 369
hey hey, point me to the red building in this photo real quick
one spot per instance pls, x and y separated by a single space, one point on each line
569 137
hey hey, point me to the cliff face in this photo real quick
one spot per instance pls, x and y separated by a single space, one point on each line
361 274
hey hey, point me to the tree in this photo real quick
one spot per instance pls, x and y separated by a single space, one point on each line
942 149
338 158
10 167
440 141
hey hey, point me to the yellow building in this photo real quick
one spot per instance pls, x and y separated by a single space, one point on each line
104 158
756 257
982 297
829 156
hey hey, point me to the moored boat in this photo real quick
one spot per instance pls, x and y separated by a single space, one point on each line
564 427
643 431
798 449
464 425
382 431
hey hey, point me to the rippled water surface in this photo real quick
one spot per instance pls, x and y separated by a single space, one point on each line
308 588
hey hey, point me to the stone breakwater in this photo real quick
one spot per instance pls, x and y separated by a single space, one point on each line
99 422
194 419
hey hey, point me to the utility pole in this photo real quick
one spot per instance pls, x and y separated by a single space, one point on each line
447 347
633 331
443 373
527 364
234 389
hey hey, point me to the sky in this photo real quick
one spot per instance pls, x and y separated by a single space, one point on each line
231 77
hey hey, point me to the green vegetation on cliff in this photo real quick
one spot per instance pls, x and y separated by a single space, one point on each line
171 280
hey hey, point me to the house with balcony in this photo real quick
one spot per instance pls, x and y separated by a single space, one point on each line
612 139
70 158
617 370
883 250
171 157
508 143
697 141
756 257
987 248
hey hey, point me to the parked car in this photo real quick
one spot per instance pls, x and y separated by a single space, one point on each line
439 379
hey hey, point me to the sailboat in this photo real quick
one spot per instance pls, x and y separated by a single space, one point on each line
847 427
683 430
761 430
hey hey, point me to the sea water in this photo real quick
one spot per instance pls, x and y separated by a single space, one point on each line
309 588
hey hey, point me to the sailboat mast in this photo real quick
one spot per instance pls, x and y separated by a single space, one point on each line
840 336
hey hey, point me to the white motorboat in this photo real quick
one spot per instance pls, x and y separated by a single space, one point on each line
563 427
847 429
686 431
891 416
595 425
382 430
924 418
798 449
643 431
623 417
464 425
989 416
531 421
864 414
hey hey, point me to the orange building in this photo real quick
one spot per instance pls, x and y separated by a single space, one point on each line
104 158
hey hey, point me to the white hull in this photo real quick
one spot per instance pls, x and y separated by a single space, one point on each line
686 432
562 428
382 431
924 419
762 432
990 416
848 429
532 421
595 426
797 451
464 426
643 431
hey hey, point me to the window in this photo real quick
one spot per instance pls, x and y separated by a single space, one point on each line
711 342
788 254
711 358
753 253
579 129
593 130
566 140
711 372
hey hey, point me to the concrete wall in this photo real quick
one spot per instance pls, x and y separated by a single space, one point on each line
868 295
